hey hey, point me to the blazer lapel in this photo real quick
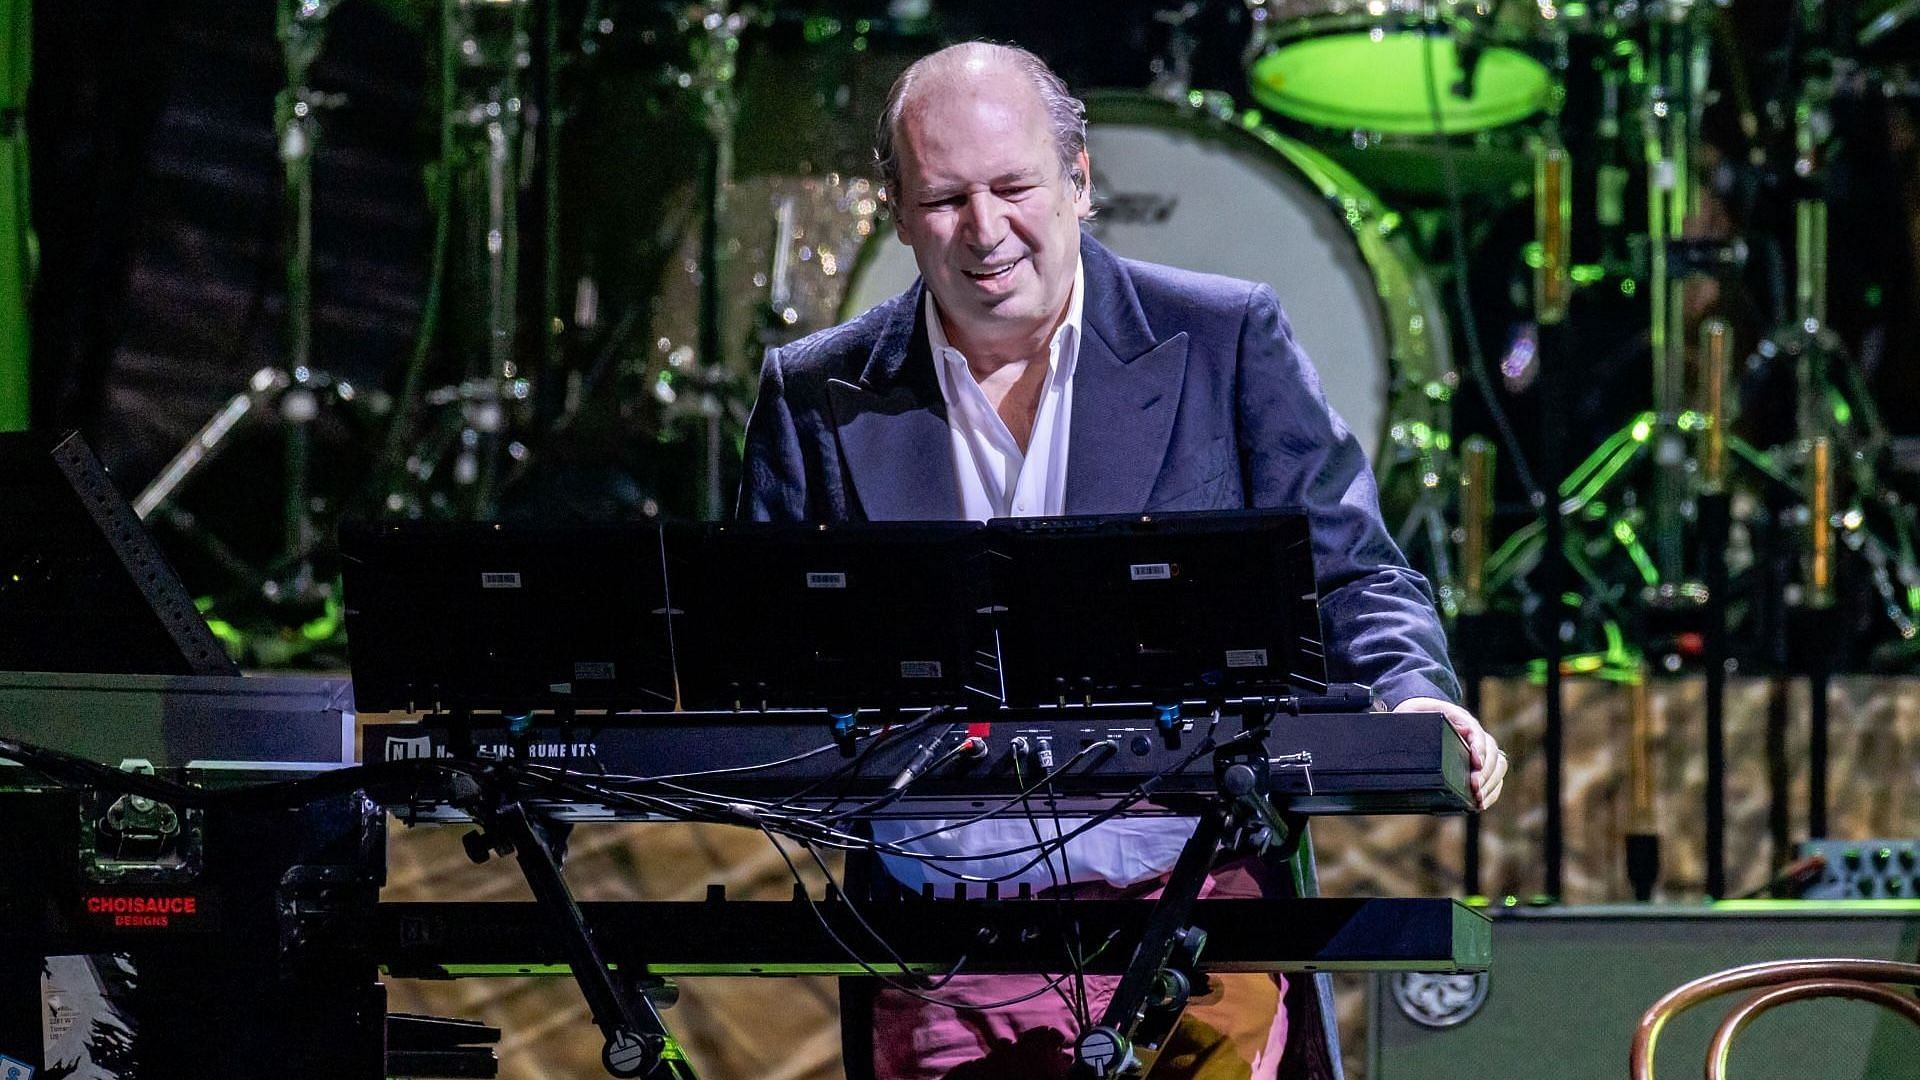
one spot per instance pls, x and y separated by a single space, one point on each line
892 426
1126 390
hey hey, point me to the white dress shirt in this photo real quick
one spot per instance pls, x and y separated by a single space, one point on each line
997 479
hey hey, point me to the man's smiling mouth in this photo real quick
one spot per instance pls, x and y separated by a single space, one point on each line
993 274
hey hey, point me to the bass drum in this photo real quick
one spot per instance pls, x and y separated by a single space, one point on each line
1198 188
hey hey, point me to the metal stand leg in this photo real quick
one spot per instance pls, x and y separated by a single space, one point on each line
1553 581
1715 523
1306 884
1818 622
637 1042
1469 671
1154 990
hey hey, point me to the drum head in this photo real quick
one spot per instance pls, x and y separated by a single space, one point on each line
1174 186
1397 83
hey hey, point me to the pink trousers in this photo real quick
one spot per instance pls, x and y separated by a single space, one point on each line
1235 1032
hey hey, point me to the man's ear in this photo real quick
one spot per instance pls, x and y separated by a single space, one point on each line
1081 175
898 215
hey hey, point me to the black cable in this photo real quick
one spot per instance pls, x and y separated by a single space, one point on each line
1083 1010
1019 799
890 981
1076 1002
913 772
853 910
885 735
1138 794
473 778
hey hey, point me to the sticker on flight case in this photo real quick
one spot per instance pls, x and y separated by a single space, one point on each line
919 669
586 670
500 580
1153 571
826 581
11 1069
1246 658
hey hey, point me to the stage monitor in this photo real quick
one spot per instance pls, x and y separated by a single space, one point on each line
511 618
83 589
862 615
1159 607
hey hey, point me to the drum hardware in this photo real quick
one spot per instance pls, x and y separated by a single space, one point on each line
713 54
780 228
800 90
1552 274
449 446
1649 537
1677 59
1477 459
1837 442
1701 473
1887 23
1173 69
1825 473
1553 232
1372 66
290 398
1714 511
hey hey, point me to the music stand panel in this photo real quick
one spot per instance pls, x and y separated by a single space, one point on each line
508 617
1157 607
867 615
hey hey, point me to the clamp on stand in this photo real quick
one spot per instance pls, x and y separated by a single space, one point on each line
1165 970
637 1041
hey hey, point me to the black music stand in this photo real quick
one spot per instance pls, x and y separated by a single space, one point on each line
1158 607
861 615
82 586
466 617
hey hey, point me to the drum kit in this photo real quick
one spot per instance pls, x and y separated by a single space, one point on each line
1457 201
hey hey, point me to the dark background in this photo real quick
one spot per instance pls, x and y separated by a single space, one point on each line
162 288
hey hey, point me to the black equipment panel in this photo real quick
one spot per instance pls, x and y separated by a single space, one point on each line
1042 611
780 937
509 617
1157 607
1863 869
1325 763
872 614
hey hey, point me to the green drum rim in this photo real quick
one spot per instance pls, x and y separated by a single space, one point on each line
1354 80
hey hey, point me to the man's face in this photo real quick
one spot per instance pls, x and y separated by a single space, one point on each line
993 221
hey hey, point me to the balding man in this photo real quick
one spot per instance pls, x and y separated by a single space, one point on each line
1032 372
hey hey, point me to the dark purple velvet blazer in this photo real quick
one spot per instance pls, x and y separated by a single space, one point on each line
1189 394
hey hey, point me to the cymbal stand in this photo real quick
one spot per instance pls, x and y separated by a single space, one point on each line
1683 439
1670 75
1477 457
1838 436
1677 59
293 394
1173 68
454 466
1552 188
1715 515
715 46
